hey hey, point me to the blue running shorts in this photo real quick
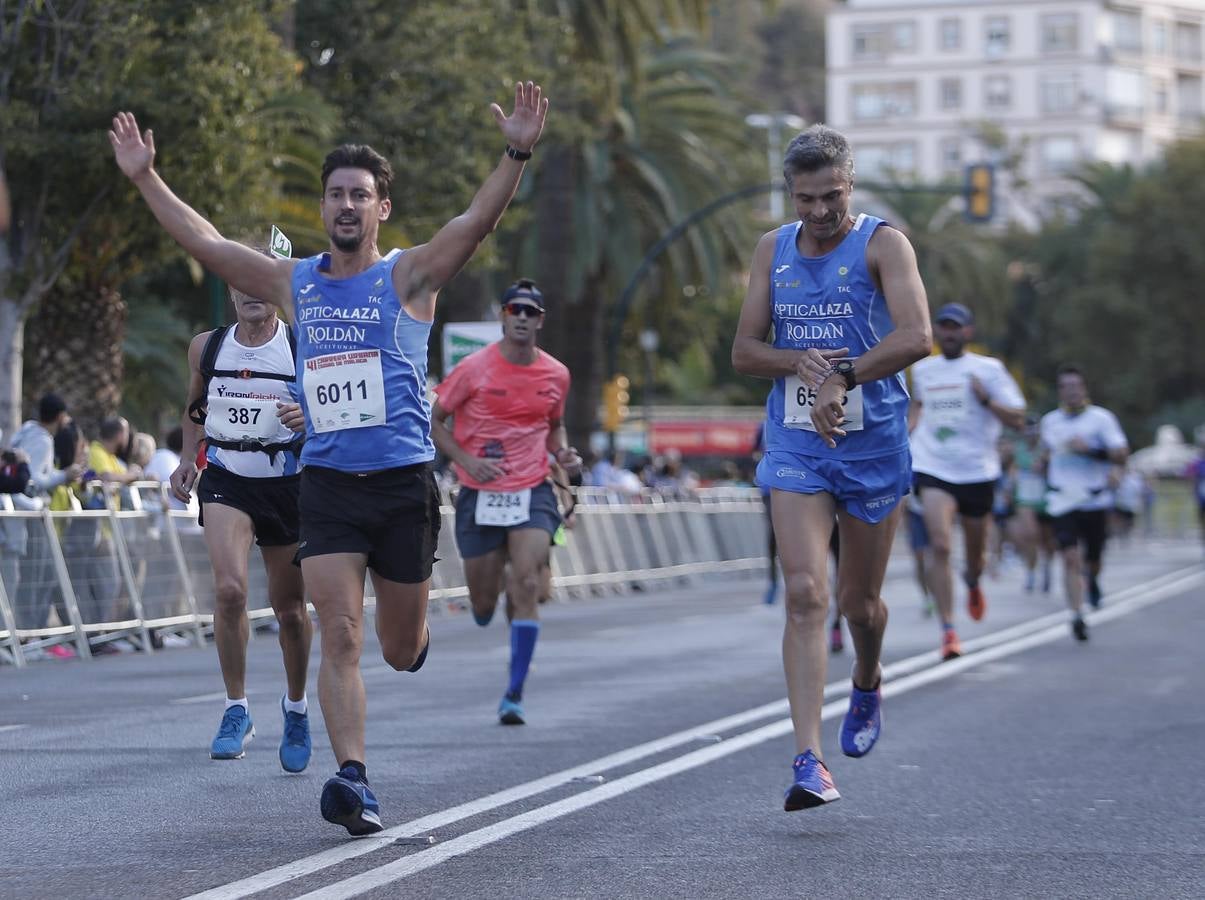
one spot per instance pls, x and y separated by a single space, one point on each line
869 489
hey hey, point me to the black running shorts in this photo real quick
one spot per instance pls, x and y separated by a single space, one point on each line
974 500
270 503
392 516
1086 526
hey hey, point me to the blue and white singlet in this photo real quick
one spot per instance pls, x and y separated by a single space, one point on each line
361 369
829 302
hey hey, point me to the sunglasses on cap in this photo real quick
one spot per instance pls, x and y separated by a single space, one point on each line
517 308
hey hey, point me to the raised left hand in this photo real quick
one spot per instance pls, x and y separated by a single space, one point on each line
522 128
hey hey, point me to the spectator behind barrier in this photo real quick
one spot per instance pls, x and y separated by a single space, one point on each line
25 567
164 461
14 471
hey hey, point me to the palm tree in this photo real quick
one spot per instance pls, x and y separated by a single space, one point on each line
667 137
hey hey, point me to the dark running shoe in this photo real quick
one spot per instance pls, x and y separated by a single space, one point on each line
348 801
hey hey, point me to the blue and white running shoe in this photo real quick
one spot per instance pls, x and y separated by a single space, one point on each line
510 711
813 784
863 722
295 746
348 801
234 734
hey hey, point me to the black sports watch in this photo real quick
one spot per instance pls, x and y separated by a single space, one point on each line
845 368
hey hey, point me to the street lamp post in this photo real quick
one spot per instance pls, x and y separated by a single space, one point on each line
649 341
773 123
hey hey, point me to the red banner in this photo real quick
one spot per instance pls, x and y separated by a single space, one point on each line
705 438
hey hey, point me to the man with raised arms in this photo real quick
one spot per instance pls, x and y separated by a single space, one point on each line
848 312
368 495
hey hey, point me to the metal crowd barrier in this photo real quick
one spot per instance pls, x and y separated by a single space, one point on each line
137 571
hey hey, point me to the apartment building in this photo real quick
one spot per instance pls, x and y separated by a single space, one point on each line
910 82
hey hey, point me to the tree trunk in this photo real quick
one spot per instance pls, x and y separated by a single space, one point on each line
573 330
579 337
12 343
74 348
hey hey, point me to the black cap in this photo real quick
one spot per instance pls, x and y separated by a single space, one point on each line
524 289
50 406
956 313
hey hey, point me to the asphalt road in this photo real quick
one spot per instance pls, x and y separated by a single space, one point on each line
653 763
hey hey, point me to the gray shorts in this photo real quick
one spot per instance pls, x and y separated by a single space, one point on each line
478 540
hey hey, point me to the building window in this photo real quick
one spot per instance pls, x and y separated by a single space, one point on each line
1127 31
1188 97
950 152
997 92
1159 45
996 36
1188 41
1059 154
884 100
949 93
950 34
877 160
1125 90
1160 96
903 37
870 41
1059 93
1060 33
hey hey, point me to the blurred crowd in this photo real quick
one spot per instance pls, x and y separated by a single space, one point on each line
50 463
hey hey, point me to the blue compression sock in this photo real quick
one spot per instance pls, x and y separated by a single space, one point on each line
523 634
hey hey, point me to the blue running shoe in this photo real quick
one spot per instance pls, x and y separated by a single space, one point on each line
813 785
234 734
295 747
510 711
862 723
348 801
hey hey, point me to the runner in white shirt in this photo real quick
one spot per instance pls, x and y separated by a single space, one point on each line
1084 447
959 402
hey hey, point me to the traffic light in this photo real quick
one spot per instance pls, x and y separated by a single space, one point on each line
980 192
615 402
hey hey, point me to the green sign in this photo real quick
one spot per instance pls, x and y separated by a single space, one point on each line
280 246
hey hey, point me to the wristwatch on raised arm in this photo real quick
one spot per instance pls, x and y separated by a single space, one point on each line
845 368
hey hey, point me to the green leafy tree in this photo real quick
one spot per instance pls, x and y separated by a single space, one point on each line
1116 290
958 262
666 136
196 74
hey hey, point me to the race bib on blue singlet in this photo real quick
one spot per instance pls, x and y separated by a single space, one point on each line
801 399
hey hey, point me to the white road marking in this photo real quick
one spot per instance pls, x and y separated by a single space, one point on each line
13 727
209 698
418 862
1055 624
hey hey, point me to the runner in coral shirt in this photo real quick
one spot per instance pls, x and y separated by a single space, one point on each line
507 401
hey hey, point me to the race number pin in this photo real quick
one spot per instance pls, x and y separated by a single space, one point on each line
280 246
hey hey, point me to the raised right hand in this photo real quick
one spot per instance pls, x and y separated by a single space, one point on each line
134 152
183 479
